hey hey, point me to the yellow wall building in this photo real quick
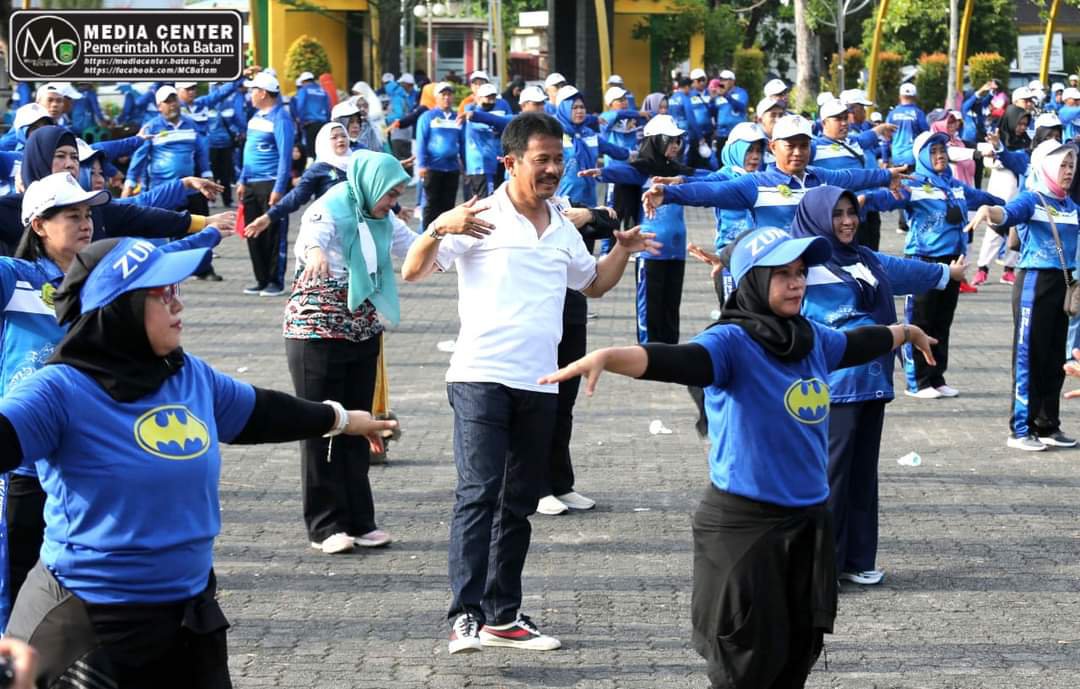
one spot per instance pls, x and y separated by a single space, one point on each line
342 26
632 59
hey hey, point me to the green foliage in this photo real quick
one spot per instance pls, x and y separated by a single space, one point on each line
888 79
932 79
853 64
982 67
306 55
777 38
670 34
749 67
915 27
1072 57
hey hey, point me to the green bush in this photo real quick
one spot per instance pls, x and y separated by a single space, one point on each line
749 67
932 80
982 67
888 80
1072 57
854 62
306 55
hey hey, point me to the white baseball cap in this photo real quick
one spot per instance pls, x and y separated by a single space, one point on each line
1070 93
56 191
790 126
766 104
775 87
28 115
532 94
908 89
614 93
726 74
163 93
747 131
266 81
70 91
387 76
875 116
698 73
1057 86
444 86
920 141
565 92
85 151
1022 93
833 108
304 76
346 108
554 79
615 79
663 124
1035 85
479 74
407 78
186 85
824 97
1047 119
487 90
856 97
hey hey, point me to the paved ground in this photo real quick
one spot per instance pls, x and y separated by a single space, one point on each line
980 543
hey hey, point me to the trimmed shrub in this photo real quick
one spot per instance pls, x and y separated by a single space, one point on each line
854 62
932 80
982 67
305 55
888 80
749 67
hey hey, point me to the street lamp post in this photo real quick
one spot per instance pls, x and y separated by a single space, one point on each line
428 10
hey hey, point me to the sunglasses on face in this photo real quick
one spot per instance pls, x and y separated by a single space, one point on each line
166 294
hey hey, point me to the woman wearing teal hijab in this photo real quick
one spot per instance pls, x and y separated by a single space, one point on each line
344 288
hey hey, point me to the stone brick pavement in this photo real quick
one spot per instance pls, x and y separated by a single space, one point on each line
980 543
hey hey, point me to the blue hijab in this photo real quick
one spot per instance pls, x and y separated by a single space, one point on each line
924 169
577 132
813 217
40 149
733 156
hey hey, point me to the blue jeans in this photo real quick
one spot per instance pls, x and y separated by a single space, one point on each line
502 439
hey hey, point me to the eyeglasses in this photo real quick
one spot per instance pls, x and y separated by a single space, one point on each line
167 294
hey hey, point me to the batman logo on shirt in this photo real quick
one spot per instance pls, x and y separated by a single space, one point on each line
808 400
171 431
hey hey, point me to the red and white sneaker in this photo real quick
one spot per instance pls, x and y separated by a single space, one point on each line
980 277
1008 277
521 633
465 634
968 288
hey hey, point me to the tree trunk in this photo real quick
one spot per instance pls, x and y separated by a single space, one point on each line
806 80
756 15
389 36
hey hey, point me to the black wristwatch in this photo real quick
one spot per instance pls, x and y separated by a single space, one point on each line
433 232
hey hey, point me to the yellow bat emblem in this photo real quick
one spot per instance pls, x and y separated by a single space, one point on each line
171 431
808 400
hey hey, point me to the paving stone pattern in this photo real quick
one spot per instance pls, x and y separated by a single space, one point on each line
980 543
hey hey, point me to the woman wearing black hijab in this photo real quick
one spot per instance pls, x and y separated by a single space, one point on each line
764 572
53 149
124 590
1006 171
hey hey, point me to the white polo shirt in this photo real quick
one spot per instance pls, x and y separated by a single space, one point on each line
511 289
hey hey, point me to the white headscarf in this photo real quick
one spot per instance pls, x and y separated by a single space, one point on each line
1046 162
324 147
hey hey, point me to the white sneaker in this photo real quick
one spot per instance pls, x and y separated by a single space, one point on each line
551 505
947 391
373 539
338 543
925 394
1028 443
465 635
521 633
576 501
870 578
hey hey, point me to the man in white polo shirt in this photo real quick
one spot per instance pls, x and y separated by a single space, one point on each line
512 282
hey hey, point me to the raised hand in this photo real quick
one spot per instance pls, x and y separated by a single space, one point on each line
652 199
463 219
590 367
634 240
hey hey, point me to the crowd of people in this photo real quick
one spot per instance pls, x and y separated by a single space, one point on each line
791 382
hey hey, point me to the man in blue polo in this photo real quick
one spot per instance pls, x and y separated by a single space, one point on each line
910 121
173 150
310 108
264 179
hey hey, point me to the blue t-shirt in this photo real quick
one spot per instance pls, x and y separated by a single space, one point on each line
131 506
769 419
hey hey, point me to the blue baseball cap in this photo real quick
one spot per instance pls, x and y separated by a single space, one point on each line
772 246
134 264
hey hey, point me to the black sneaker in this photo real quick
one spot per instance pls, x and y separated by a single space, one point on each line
521 633
209 276
1057 439
465 635
254 289
272 290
